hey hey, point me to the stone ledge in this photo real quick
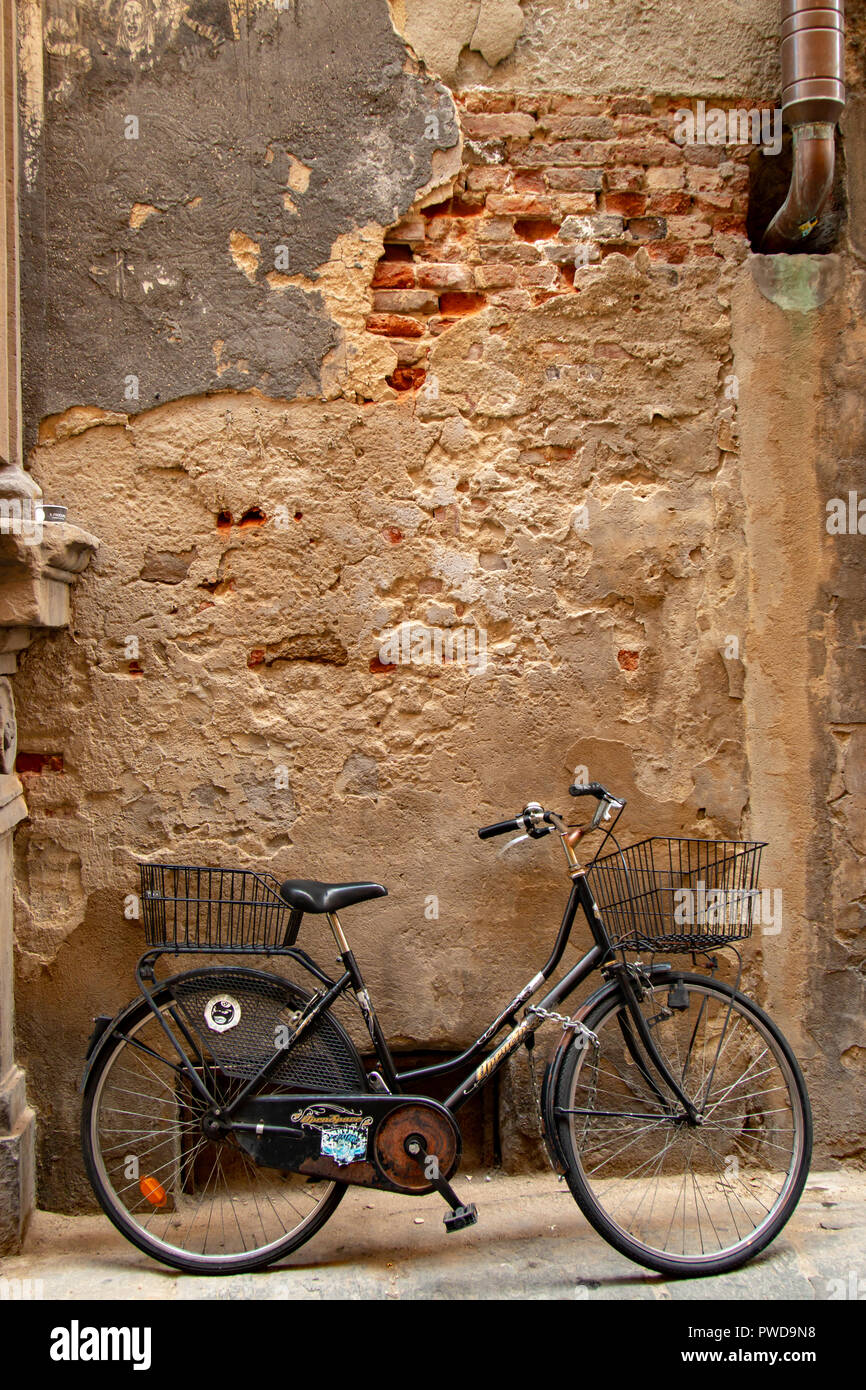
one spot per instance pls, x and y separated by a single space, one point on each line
36 573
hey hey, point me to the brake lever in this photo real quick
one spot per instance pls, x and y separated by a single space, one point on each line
518 840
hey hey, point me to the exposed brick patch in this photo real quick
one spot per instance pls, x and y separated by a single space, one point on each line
39 762
406 378
628 660
548 178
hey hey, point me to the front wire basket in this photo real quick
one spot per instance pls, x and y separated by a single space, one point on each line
667 894
234 909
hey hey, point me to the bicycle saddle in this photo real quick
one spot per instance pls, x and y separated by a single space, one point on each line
308 895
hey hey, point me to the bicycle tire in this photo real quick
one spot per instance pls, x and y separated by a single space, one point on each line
584 1185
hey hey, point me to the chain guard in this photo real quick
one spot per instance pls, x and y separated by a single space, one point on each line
356 1139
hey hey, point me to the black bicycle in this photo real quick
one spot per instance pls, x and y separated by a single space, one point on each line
227 1109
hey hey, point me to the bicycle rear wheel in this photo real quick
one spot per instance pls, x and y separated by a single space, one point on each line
197 1203
680 1199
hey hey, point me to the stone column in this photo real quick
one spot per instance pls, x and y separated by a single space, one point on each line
38 564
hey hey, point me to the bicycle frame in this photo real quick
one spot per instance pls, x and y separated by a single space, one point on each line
412 1081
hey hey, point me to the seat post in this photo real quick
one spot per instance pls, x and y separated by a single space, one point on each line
339 934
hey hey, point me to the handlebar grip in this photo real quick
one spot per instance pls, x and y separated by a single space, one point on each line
502 827
591 789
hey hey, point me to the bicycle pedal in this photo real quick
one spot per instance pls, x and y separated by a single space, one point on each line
461 1217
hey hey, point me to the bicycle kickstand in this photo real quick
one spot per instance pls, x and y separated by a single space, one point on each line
460 1216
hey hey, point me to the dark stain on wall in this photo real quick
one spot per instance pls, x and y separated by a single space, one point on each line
129 280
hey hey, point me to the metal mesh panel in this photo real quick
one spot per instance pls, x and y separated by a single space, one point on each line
187 906
678 894
322 1059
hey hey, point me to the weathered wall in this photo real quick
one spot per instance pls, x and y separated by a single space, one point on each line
431 414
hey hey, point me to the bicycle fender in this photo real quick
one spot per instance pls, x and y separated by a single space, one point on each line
104 1027
554 1066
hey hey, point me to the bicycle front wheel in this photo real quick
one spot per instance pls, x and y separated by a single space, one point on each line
682 1199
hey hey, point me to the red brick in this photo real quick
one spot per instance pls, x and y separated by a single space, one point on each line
579 127
628 204
395 326
644 127
693 228
574 180
730 224
631 106
646 152
625 179
404 302
486 180
515 253
576 106
673 251
519 205
669 203
495 277
569 203
393 275
708 155
445 276
667 179
703 180
494 229
537 155
543 276
648 228
498 126
714 202
529 183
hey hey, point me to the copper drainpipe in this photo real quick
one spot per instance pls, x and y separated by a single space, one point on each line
813 99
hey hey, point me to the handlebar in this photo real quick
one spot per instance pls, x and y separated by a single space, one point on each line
536 822
592 789
502 827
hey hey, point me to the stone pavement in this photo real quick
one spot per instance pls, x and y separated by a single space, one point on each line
531 1242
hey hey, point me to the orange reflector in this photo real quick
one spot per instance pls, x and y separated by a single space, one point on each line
153 1191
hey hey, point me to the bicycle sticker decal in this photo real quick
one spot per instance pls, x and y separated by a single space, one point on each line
343 1132
222 1012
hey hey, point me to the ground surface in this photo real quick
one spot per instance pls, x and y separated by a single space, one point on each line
530 1242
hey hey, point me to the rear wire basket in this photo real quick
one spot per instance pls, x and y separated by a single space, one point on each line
234 909
666 894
